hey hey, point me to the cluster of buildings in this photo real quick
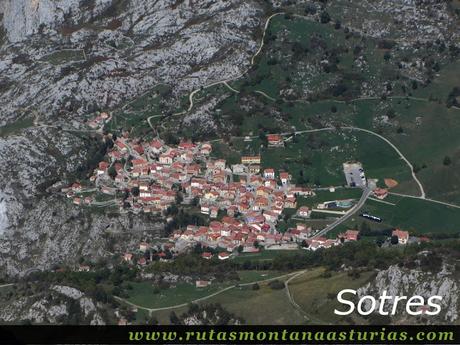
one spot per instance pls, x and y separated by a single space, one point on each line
144 176
147 177
244 213
243 201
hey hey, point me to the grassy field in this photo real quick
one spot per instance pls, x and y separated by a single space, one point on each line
143 294
263 306
323 196
133 117
253 276
264 255
447 79
316 158
234 300
316 295
417 121
417 216
429 135
64 56
15 127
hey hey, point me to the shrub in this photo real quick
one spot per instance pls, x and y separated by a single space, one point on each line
276 284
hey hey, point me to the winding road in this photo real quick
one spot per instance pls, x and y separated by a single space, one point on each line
252 62
224 82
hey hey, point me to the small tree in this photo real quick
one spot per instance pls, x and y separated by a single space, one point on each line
135 191
179 198
112 172
174 319
447 161
394 239
325 17
263 138
276 284
195 201
364 229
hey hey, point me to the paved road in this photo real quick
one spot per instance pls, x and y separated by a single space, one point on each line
367 191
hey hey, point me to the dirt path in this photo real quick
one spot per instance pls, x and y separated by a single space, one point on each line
422 191
426 199
205 297
307 316
6 285
224 82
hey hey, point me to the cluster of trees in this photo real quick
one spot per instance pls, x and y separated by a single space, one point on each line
276 284
365 230
97 151
358 255
101 284
182 218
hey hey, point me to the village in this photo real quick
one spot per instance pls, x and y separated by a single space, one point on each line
244 202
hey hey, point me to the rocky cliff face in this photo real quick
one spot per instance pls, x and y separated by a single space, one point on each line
404 282
24 18
61 60
3 218
61 304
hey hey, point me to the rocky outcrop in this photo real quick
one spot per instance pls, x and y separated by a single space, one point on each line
80 56
398 281
3 217
55 232
61 304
